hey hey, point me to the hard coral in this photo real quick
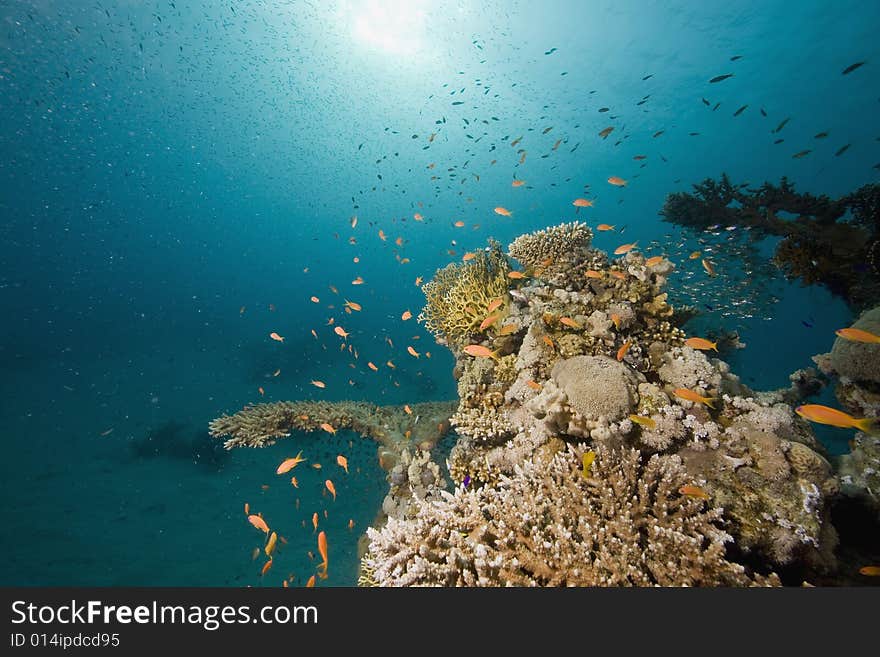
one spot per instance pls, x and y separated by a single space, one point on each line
553 250
548 525
459 295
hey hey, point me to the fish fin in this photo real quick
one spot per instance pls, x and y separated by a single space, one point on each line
869 425
710 402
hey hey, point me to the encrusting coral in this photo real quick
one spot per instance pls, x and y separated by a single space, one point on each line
625 524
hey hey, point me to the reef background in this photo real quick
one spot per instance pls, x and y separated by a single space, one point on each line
158 175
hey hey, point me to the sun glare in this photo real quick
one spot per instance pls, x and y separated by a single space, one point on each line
392 26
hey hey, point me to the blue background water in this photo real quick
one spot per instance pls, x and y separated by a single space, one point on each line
166 163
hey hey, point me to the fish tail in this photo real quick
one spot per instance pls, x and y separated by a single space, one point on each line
869 425
710 402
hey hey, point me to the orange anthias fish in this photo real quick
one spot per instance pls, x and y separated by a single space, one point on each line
326 426
372 366
694 255
516 275
831 416
620 275
341 332
259 523
491 319
694 491
382 235
331 488
504 212
692 396
418 217
568 321
352 305
261 391
318 384
315 520
479 351
266 567
518 183
870 571
604 227
858 335
276 337
623 349
315 300
625 248
533 385
470 255
358 281
582 203
616 181
494 304
507 329
656 260
406 315
270 545
412 352
322 550
407 409
701 343
592 273
289 464
343 462
615 319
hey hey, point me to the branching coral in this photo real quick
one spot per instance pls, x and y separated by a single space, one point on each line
822 245
553 250
548 525
459 295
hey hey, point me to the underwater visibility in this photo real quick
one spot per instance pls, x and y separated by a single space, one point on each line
507 293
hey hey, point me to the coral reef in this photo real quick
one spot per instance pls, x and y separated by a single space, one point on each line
459 295
626 524
697 479
831 242
595 356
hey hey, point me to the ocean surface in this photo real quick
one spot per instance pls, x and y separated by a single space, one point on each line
178 179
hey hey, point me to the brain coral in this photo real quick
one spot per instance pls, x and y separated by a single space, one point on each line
858 360
595 386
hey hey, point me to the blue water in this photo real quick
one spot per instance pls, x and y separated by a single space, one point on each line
166 164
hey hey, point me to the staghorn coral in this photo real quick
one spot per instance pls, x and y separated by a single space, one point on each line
547 525
459 294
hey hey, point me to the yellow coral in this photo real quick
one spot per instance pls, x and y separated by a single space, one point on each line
459 295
